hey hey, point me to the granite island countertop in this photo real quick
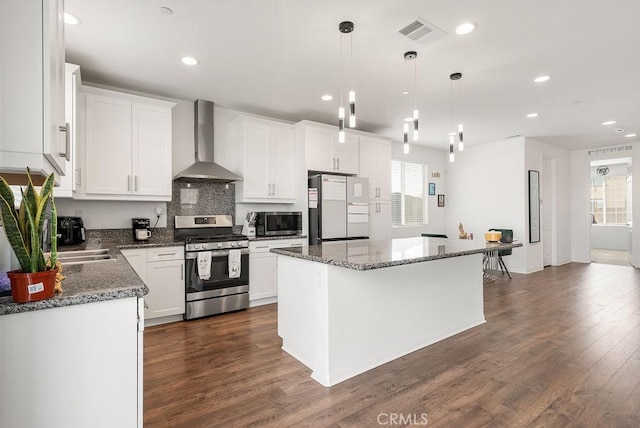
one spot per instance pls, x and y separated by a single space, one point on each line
372 254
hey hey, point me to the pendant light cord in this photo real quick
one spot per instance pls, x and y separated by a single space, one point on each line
460 101
415 72
351 58
341 72
451 106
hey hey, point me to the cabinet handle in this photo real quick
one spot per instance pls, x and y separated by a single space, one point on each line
145 304
338 163
78 176
181 270
274 189
67 141
128 183
166 254
262 246
137 178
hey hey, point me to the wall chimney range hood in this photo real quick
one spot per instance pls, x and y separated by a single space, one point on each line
204 167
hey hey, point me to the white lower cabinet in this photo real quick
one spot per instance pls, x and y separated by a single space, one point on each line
88 354
380 220
263 280
162 271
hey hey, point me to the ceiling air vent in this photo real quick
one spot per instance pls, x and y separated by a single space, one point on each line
421 31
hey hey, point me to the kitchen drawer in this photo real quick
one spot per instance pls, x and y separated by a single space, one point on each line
265 246
165 253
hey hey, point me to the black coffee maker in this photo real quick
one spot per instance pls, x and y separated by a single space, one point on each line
70 231
141 229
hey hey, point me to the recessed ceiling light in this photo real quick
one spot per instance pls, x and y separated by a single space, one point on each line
465 28
630 135
166 10
188 60
405 92
71 19
532 115
541 79
327 97
608 122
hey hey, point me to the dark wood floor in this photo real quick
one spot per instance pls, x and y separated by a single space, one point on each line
560 348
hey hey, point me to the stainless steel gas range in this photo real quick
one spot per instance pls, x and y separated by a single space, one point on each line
216 265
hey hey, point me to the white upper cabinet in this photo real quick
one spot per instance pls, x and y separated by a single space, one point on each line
124 146
72 81
32 125
268 162
324 152
375 164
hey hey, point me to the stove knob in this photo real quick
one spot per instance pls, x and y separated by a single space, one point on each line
220 245
234 244
197 246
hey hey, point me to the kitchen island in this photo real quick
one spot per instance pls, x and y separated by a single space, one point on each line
347 307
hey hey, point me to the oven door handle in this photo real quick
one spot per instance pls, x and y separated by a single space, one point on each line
214 253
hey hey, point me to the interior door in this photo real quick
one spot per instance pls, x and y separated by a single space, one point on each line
629 217
545 207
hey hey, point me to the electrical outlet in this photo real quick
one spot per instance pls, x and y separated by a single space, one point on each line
159 211
79 213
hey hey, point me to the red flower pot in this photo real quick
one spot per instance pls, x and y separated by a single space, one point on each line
30 287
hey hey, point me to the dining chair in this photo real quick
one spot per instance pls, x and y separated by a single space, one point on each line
507 238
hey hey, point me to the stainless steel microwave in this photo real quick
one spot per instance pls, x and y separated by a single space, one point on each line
278 223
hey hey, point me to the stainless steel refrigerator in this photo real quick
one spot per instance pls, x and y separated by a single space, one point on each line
338 208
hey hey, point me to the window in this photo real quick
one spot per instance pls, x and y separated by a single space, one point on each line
609 199
408 198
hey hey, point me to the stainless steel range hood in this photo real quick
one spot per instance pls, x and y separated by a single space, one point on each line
204 167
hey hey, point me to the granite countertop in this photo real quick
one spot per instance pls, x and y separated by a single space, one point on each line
97 281
87 283
370 254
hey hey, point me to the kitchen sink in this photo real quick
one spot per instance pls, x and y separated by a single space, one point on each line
85 256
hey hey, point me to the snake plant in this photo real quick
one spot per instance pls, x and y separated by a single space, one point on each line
25 227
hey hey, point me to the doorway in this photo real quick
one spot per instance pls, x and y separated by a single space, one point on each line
611 211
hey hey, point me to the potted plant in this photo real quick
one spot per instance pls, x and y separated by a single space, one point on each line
25 230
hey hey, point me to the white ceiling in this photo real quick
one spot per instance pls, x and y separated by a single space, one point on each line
277 57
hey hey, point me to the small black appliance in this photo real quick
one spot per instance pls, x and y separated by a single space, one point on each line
70 231
141 229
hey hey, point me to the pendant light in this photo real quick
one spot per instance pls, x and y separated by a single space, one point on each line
411 56
452 135
346 27
458 77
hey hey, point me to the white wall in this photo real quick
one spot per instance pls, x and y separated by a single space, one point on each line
490 185
111 214
437 162
607 237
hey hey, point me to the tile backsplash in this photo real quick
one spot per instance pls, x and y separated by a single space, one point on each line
204 197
